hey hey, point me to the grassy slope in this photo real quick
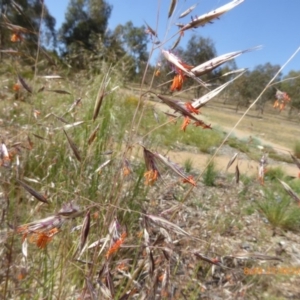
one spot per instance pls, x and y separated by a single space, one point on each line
222 219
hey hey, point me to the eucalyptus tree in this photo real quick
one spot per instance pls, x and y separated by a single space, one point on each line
83 30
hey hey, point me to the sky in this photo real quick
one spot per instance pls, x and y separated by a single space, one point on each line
272 24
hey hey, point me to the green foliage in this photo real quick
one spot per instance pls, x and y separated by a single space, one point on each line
134 40
249 86
27 15
273 174
199 50
247 180
290 85
210 174
84 18
295 185
86 40
188 165
249 210
85 24
240 145
279 210
131 101
203 139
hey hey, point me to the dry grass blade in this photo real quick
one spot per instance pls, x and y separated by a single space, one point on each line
59 92
30 142
149 158
3 151
102 166
295 160
207 259
152 173
167 225
152 31
100 96
60 119
25 248
97 243
51 77
175 168
105 292
170 115
73 147
208 17
24 84
176 43
232 160
155 114
17 7
77 102
234 72
85 230
89 292
110 283
70 211
290 191
48 57
165 282
93 135
198 103
173 59
254 255
172 7
41 89
13 27
38 136
189 10
11 51
177 106
237 174
33 192
212 64
68 126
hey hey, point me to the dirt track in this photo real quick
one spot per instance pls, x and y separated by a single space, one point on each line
246 165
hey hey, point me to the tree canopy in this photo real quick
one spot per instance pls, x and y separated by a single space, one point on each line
85 22
199 50
24 19
134 40
248 87
84 37
291 85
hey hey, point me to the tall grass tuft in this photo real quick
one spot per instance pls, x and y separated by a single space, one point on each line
279 210
210 174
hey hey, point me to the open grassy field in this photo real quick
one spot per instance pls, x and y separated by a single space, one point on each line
78 220
274 133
